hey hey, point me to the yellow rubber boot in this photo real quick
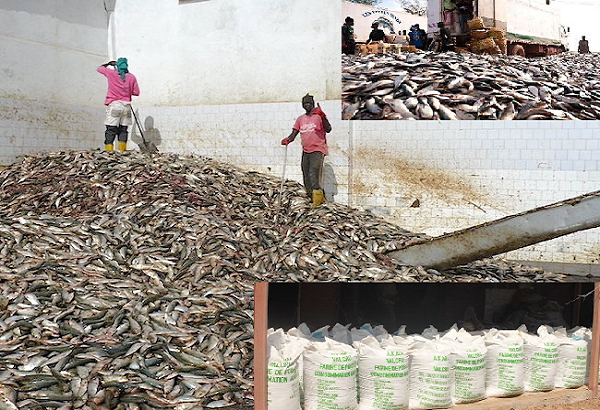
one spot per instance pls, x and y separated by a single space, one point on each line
317 197
109 147
122 146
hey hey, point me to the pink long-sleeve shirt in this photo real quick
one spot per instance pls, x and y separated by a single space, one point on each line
119 90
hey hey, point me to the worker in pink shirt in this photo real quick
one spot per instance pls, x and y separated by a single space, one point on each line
121 86
312 128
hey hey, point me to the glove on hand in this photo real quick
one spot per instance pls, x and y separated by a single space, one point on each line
317 110
285 141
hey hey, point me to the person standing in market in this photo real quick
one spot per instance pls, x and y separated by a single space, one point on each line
465 13
416 38
446 42
312 127
376 34
449 8
348 41
122 85
584 47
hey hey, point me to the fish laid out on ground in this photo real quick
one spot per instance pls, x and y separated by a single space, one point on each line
465 86
126 281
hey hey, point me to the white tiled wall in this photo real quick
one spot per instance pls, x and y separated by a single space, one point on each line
469 172
28 127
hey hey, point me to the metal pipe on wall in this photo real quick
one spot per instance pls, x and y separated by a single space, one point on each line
109 6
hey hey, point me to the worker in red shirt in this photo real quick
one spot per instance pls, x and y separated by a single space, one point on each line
312 128
121 86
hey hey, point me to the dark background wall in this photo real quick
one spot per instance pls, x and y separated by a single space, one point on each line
420 305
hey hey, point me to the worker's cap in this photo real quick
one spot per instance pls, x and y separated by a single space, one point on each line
308 98
349 20
375 25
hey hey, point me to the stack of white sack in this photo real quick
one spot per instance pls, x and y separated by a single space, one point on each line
366 368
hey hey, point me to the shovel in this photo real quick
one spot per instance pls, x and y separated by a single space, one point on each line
145 146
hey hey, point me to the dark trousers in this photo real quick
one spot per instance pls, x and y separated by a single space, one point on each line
113 131
350 48
312 171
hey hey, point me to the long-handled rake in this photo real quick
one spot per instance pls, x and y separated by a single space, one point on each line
281 186
283 174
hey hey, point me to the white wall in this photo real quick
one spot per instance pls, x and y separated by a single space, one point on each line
45 44
533 18
49 51
230 51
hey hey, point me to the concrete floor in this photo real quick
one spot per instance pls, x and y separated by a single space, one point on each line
527 400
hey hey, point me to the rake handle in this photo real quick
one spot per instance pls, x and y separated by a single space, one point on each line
138 123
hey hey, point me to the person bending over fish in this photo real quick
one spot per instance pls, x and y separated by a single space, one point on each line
312 127
121 86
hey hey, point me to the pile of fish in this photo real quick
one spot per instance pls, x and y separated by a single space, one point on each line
127 279
465 86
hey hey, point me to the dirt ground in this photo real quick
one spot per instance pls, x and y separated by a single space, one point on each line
559 399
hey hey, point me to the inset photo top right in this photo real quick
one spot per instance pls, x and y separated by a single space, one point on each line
470 60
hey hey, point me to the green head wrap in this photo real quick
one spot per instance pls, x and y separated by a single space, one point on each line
122 67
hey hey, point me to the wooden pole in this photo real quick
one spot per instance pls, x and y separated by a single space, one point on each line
261 295
593 380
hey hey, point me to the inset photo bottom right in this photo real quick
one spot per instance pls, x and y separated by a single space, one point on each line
427 346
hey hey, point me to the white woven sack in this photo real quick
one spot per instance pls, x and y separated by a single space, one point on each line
572 360
341 333
382 375
429 385
330 376
359 334
301 338
504 364
467 366
540 360
583 333
283 381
